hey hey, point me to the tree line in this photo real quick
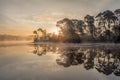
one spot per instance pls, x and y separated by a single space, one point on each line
104 27
8 37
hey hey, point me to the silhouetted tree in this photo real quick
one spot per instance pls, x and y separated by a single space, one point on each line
90 23
79 26
117 12
35 36
67 28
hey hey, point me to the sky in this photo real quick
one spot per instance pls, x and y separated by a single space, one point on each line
21 17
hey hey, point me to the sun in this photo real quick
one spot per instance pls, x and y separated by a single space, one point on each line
56 31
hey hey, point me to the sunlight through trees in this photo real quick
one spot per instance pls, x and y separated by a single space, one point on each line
104 27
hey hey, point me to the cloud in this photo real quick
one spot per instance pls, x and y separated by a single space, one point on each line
4 19
50 16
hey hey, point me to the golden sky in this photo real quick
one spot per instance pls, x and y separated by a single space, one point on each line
21 17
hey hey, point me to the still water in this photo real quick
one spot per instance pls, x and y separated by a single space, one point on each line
59 62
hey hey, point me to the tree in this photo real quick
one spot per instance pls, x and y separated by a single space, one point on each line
100 20
117 12
78 26
108 17
67 28
90 23
39 32
44 33
35 36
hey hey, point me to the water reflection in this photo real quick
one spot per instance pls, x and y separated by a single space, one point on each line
104 60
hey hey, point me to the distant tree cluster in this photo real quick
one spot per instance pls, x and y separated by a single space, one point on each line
41 35
104 27
6 37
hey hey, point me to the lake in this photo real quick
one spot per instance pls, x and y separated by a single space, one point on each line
59 61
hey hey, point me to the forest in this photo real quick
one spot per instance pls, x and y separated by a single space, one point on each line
104 27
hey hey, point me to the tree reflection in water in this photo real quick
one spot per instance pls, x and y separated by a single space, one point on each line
104 60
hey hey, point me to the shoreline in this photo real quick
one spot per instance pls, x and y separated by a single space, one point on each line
61 44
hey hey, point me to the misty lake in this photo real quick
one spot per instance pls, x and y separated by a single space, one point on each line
59 62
